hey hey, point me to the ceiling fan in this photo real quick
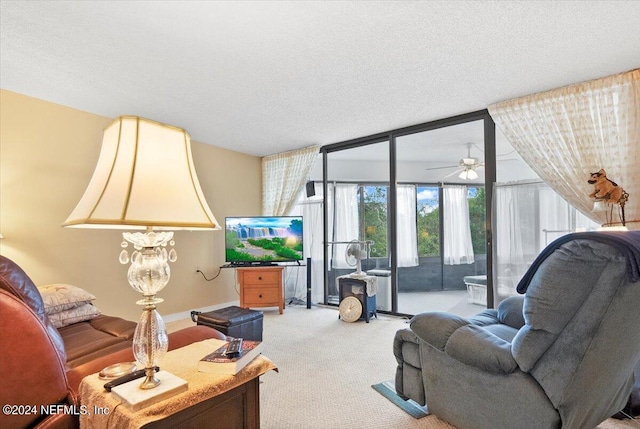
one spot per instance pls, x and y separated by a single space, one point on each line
466 167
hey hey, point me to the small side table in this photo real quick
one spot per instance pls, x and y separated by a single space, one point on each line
231 401
363 288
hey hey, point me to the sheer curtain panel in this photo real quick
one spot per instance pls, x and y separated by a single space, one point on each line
283 177
568 133
345 221
528 215
458 248
311 208
406 226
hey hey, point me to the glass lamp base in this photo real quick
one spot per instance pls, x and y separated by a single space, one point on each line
150 343
150 380
148 274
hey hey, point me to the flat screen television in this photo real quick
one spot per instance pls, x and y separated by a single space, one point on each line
263 240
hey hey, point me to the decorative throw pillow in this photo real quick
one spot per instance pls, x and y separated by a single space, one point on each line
60 297
74 315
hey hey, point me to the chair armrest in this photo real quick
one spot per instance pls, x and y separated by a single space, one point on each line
402 336
436 327
477 347
485 318
510 312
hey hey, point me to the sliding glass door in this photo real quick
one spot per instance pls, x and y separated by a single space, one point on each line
357 210
444 168
419 197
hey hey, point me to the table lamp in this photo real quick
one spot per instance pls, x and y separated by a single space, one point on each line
145 180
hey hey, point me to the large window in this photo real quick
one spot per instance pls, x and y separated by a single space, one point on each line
372 206
428 216
374 219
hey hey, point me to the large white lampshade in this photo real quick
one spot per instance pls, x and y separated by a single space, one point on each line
145 179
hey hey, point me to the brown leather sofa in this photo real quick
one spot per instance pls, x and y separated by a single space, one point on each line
41 365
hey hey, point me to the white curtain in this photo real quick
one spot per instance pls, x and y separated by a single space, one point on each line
515 234
458 248
283 177
407 241
566 134
345 221
311 209
527 215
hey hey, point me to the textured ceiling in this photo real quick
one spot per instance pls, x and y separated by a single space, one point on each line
266 77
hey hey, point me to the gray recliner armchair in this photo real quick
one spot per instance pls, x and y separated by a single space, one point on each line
561 355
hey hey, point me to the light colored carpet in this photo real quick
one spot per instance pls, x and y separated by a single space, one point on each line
327 368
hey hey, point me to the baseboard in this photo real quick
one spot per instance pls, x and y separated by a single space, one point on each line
187 314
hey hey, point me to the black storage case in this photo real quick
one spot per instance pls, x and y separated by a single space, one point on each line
232 321
348 286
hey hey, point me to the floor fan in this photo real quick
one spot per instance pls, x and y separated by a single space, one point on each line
355 253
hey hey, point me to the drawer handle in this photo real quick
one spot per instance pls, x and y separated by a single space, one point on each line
260 278
260 296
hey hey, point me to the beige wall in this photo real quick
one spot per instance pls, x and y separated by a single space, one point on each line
47 156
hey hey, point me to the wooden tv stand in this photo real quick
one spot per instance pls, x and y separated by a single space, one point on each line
261 287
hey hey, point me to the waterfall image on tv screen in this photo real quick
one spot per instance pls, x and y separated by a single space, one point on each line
263 239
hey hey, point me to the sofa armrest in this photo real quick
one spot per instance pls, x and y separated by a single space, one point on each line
75 375
193 334
477 347
435 328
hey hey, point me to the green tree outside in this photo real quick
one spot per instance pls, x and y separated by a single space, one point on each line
478 220
429 233
428 219
375 219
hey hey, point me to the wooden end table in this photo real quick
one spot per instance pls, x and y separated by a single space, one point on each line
224 401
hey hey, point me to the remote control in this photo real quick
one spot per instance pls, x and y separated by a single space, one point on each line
234 349
126 378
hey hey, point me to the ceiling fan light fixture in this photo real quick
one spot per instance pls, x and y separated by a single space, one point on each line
468 175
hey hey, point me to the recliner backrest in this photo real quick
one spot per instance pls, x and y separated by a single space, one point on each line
570 343
557 290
